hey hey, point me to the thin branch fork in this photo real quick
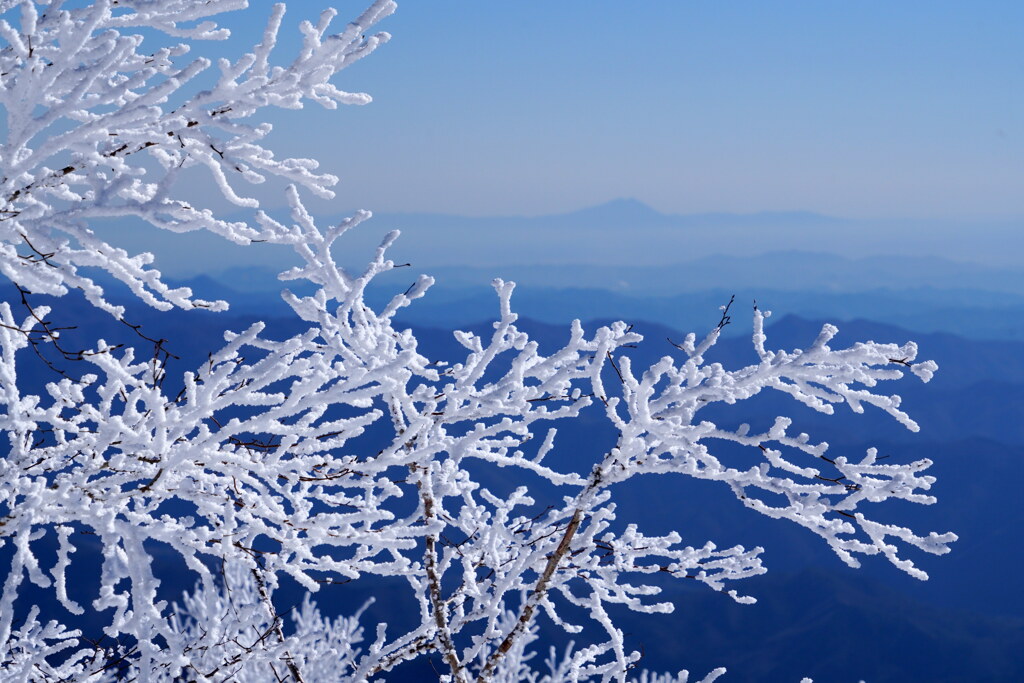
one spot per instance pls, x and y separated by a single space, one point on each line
444 633
539 591
293 669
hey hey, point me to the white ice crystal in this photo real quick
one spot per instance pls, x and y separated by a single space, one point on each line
258 445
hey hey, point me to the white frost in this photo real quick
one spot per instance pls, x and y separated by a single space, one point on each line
259 441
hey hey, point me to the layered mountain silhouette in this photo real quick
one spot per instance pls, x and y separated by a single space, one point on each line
623 233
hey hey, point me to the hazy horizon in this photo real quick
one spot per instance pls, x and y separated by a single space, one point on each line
904 122
613 233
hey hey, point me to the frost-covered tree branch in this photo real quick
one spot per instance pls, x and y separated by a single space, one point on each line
257 469
101 123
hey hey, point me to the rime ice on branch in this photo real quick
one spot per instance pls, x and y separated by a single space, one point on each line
100 123
259 444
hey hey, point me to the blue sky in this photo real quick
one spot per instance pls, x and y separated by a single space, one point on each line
864 110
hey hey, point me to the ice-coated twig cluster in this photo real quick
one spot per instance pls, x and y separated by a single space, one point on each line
259 469
101 122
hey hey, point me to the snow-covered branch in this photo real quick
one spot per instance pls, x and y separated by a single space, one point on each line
258 468
101 123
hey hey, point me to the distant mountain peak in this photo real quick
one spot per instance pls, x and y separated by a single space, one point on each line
628 209
626 204
622 208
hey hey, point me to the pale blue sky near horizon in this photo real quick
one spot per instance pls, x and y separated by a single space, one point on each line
863 110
